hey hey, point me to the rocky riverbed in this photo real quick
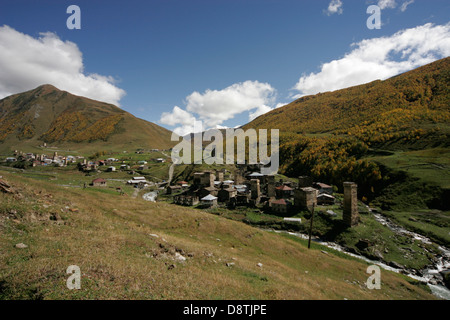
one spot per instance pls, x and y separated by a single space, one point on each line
433 275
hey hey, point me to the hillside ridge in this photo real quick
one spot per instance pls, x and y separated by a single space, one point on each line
368 133
52 116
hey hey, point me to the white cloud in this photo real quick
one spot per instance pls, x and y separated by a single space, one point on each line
392 4
379 58
213 107
263 110
387 4
177 116
405 5
181 117
258 112
184 130
27 62
335 6
281 104
216 106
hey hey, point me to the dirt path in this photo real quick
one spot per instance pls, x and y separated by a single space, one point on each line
171 169
135 193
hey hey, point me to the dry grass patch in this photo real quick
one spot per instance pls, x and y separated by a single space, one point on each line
132 249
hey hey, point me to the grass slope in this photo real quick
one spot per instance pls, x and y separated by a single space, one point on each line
112 239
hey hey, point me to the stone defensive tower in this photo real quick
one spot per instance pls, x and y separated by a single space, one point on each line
351 215
204 179
305 198
255 188
305 182
239 176
208 179
270 186
219 175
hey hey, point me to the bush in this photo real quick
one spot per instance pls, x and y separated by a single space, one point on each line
22 165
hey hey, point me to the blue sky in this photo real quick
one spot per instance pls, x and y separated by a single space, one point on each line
221 61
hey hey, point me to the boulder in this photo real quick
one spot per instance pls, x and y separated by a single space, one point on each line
446 277
363 244
396 265
378 255
179 257
5 187
21 246
331 213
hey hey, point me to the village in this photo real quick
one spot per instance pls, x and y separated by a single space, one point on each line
244 187
127 169
253 189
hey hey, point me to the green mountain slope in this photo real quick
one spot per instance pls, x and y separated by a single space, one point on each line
61 119
378 134
373 112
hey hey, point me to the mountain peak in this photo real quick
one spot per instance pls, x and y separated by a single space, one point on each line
46 88
48 114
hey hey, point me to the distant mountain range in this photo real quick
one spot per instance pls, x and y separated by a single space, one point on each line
58 118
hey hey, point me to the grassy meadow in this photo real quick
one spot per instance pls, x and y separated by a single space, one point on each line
128 248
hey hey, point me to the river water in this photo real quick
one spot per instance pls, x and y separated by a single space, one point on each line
430 275
150 196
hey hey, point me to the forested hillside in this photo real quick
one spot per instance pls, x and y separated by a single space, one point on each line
336 136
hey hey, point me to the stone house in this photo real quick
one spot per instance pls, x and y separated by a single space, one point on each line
99 182
325 199
209 201
281 206
242 200
173 189
203 192
323 188
183 184
186 199
225 194
284 192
